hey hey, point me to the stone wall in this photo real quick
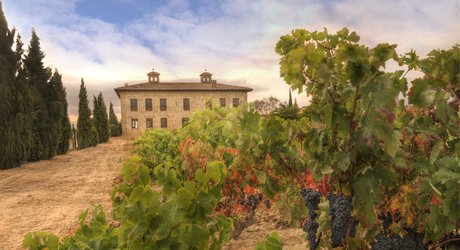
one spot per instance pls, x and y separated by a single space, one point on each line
174 112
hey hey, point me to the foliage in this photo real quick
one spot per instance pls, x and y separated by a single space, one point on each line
287 112
43 125
65 127
158 147
362 135
115 127
56 104
15 109
87 133
272 242
180 216
101 120
266 106
32 101
216 126
256 151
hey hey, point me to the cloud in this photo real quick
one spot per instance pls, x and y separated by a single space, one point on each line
233 39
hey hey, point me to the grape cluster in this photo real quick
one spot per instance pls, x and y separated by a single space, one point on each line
268 204
252 201
311 199
413 240
340 208
310 227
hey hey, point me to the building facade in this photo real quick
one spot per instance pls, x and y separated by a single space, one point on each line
156 104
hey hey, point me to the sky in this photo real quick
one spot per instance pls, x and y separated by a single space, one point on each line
112 42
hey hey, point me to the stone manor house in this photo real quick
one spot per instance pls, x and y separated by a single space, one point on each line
156 104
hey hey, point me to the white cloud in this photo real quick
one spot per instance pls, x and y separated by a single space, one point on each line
232 39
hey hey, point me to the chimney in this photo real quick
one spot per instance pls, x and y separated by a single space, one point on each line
214 83
206 77
154 77
126 84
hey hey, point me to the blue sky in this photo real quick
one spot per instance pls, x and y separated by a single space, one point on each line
110 42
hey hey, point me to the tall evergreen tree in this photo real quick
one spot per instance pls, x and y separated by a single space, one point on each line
101 120
115 127
55 106
290 98
94 117
65 127
22 108
57 109
43 144
7 75
86 131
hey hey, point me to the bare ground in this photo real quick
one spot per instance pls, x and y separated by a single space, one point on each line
49 195
267 221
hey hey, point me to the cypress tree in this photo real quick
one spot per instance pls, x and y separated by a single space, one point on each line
290 98
22 108
43 129
101 121
115 127
86 132
55 107
7 74
65 128
94 117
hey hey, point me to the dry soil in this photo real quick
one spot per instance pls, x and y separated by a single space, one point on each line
49 195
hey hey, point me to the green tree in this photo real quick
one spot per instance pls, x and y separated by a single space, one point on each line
290 98
115 126
43 129
288 111
101 121
56 104
86 131
64 123
7 72
22 108
266 106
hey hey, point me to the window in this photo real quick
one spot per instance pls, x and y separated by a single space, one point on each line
163 104
222 102
184 121
149 123
236 102
164 122
186 104
148 104
134 123
133 104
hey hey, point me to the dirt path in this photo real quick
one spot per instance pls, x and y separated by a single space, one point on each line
49 195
